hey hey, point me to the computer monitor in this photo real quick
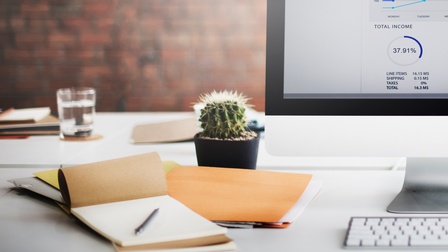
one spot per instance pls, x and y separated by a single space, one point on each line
361 78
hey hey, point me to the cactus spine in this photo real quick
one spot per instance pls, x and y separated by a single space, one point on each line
223 115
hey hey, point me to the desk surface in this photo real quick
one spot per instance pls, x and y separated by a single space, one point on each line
29 224
116 128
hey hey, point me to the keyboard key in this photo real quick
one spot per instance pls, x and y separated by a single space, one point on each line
428 242
383 242
353 242
397 232
399 242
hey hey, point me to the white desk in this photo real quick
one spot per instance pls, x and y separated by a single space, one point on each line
28 224
116 128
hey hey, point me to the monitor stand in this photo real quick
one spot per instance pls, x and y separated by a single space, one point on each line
425 187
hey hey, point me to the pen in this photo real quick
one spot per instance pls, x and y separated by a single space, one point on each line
140 228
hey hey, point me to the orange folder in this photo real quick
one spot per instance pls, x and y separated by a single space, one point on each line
237 195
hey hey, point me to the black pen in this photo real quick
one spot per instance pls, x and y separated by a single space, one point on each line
140 228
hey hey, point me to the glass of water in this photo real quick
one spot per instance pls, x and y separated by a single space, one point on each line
76 109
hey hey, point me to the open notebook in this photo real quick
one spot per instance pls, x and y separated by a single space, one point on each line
114 197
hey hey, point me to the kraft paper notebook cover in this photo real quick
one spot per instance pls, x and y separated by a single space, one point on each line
169 131
51 176
114 197
237 195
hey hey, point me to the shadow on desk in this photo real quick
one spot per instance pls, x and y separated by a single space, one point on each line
42 222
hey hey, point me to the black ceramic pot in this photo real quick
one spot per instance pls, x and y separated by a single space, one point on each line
231 154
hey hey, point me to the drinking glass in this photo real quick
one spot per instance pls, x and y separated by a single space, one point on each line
76 109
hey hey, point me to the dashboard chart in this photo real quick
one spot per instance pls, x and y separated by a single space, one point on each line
401 5
405 50
411 34
389 49
409 10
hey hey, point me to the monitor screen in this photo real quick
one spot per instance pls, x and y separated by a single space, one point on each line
357 57
365 49
357 78
362 78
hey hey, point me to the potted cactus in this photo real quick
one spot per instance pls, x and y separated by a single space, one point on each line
225 139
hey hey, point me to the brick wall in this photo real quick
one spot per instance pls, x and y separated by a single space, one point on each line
140 55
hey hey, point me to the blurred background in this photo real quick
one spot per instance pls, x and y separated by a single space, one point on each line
140 55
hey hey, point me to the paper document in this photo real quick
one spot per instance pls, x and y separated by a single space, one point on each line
237 195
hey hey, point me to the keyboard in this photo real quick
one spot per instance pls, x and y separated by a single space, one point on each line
397 232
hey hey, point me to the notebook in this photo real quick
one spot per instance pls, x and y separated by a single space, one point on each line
114 197
26 115
167 131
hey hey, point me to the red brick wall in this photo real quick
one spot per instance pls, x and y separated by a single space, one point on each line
140 55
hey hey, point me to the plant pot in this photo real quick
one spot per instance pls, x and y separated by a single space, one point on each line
225 153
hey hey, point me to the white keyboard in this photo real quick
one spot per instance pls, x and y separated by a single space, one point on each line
397 232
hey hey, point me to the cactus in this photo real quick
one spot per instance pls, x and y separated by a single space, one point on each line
223 115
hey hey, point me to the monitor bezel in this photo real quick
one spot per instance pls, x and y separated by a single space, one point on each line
276 104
